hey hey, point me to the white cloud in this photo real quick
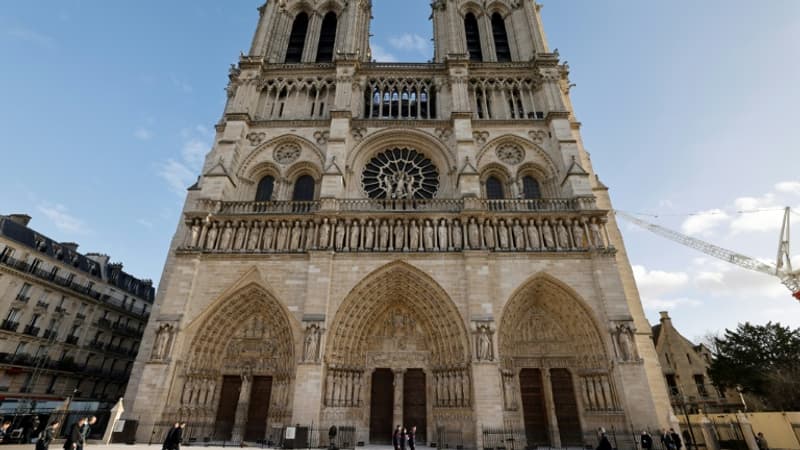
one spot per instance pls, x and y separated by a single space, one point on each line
33 37
145 223
758 214
719 279
656 283
379 54
143 134
788 187
704 221
411 42
62 219
656 304
180 173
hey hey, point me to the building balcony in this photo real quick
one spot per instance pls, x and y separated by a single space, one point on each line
80 316
43 305
50 334
31 330
9 325
96 345
22 298
60 310
72 340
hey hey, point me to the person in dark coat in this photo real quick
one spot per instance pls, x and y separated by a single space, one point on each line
4 433
178 438
604 444
403 439
676 439
169 440
86 429
646 440
396 438
47 436
666 440
412 438
75 437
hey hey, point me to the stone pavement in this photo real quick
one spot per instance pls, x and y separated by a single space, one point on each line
58 446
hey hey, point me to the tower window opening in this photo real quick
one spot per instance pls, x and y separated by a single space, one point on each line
327 37
265 188
304 189
501 47
473 37
494 189
530 188
297 38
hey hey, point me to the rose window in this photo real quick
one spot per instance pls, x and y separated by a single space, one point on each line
400 173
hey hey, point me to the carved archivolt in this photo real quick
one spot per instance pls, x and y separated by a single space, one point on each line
282 150
546 320
250 331
399 311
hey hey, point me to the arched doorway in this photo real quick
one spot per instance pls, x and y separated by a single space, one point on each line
398 355
238 374
554 364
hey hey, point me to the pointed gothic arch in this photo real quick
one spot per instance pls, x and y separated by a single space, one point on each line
398 300
473 36
500 35
327 38
545 318
297 38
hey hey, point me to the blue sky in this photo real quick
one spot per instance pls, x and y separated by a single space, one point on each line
106 112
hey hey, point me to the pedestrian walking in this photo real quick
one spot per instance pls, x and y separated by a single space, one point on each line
403 439
396 437
761 441
75 437
646 440
676 439
86 430
604 444
4 433
169 440
412 438
666 440
47 436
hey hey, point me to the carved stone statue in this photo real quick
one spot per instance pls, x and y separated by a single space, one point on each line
597 236
195 234
324 234
399 235
534 242
442 236
502 234
369 235
283 237
340 235
457 236
255 234
269 234
484 344
563 235
211 237
383 236
311 344
309 236
473 234
427 236
241 231
577 233
488 234
163 342
355 235
413 236
297 233
519 235
227 237
627 351
547 234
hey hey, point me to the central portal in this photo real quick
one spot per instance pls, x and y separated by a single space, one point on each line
414 402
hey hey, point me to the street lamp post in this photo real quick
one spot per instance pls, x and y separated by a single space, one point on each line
740 390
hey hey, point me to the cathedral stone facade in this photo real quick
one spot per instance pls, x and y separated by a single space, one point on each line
374 244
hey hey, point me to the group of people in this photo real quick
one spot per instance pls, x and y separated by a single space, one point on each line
77 436
403 438
174 437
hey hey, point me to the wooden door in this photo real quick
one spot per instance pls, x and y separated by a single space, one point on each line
533 407
569 424
381 407
414 403
226 411
256 428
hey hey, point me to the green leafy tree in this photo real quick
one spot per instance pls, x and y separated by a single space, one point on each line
763 359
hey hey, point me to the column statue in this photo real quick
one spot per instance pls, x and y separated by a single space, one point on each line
457 236
227 237
369 235
340 234
519 235
283 236
442 236
383 236
297 233
399 236
253 237
194 236
427 236
324 234
269 235
597 235
577 234
563 236
532 229
355 235
484 344
473 234
212 237
547 234
241 231
488 234
502 234
413 236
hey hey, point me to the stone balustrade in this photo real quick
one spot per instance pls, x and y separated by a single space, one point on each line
447 227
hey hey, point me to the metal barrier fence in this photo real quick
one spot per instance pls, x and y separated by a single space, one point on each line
448 438
220 434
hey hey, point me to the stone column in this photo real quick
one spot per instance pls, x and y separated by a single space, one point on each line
709 436
550 406
398 395
242 408
747 431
